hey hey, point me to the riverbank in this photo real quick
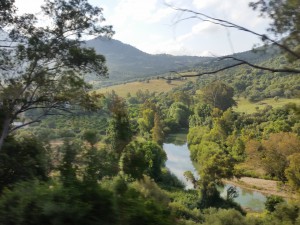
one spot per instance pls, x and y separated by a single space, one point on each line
267 187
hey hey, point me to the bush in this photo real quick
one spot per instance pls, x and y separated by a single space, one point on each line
23 159
45 204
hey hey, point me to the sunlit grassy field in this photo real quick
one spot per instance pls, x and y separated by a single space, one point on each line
243 105
158 86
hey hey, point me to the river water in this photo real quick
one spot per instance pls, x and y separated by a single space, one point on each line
179 161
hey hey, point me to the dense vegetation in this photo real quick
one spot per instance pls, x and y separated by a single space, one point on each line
98 159
117 151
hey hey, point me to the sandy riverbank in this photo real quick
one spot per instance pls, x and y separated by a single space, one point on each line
268 187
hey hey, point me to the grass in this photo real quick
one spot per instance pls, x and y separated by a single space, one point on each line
243 105
158 86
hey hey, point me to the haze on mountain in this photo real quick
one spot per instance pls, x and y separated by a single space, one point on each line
127 63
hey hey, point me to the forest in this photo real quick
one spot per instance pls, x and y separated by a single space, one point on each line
70 154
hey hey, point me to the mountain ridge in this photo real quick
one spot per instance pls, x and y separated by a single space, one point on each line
127 63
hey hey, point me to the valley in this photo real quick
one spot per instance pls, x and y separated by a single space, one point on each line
95 131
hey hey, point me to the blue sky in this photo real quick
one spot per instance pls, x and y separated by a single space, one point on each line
151 25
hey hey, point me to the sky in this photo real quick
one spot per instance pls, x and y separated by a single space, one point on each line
154 27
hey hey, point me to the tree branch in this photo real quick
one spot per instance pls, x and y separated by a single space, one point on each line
229 24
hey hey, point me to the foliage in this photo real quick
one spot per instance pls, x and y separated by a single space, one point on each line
143 157
150 190
278 147
285 20
119 130
285 214
23 159
54 204
43 68
157 130
179 113
272 201
292 172
169 180
224 217
218 95
90 136
68 167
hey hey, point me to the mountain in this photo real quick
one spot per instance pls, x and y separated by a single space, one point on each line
126 62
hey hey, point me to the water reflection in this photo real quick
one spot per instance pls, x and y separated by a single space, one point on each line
179 161
248 199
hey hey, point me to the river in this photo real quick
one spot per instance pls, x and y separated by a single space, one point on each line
179 161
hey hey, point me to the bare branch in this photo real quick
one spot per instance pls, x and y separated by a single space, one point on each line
273 70
229 24
240 62
25 124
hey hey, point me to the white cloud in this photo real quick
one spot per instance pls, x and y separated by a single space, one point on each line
237 11
202 4
205 27
201 28
160 14
133 10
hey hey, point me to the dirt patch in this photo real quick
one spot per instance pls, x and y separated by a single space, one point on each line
268 187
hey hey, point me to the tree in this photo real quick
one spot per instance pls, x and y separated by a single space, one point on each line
272 201
90 136
157 130
146 122
143 157
42 67
119 131
277 148
285 19
293 171
218 95
179 112
23 159
68 168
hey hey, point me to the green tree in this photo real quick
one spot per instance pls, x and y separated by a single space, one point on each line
90 136
157 130
285 19
143 157
272 201
215 165
146 122
180 113
224 217
119 131
293 171
68 167
218 95
44 67
23 159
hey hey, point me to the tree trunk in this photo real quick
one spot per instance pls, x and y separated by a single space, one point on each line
5 131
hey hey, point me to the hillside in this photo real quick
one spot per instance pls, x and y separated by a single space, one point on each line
126 62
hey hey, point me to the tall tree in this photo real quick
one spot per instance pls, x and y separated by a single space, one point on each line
157 130
218 95
43 66
119 131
